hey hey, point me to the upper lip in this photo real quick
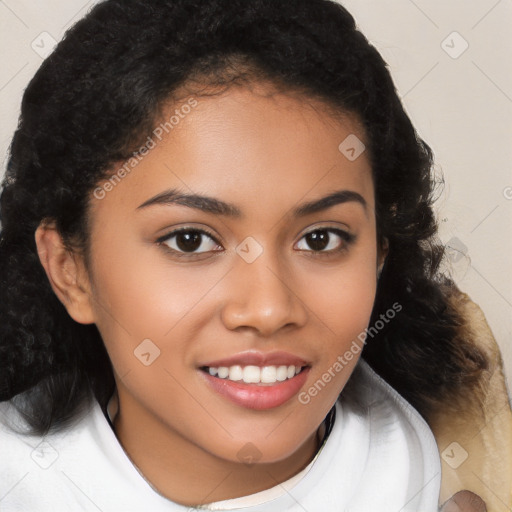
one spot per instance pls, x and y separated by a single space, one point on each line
277 358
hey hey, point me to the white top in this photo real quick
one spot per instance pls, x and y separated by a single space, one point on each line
379 456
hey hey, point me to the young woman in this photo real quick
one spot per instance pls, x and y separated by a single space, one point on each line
220 284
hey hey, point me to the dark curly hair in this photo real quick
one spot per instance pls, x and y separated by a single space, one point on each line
95 100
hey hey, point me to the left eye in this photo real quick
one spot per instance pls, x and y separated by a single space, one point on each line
322 240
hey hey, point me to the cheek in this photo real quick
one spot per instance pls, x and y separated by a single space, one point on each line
342 300
342 313
344 303
342 297
132 290
143 296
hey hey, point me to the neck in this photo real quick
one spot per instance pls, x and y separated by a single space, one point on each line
185 473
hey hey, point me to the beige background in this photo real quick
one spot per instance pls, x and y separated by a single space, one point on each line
451 64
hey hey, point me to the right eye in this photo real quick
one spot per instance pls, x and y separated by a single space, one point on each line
188 242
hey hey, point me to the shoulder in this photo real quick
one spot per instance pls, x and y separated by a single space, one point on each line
26 480
80 468
402 463
369 393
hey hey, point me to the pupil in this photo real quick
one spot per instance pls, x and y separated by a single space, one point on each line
318 240
189 241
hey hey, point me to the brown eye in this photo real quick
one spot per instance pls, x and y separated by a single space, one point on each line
318 240
189 241
326 240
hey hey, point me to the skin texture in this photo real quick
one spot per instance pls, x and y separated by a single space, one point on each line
267 154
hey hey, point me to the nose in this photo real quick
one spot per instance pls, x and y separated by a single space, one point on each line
261 297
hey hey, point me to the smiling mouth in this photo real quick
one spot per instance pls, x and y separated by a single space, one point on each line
250 374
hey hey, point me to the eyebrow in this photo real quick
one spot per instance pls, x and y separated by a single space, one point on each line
216 206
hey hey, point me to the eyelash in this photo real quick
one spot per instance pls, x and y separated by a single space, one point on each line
347 238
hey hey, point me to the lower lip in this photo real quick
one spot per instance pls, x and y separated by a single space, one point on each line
253 396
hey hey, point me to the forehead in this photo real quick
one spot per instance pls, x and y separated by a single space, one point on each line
251 146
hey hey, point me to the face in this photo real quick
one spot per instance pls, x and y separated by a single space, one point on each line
243 242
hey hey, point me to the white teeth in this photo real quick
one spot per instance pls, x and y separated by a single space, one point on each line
255 374
268 374
223 372
282 373
236 373
252 374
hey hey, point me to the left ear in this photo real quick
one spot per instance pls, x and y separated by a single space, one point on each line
382 254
